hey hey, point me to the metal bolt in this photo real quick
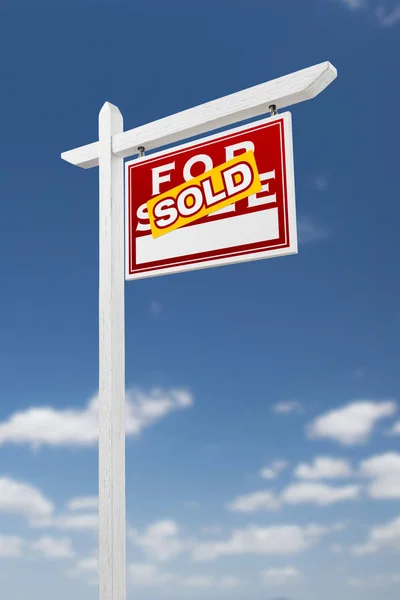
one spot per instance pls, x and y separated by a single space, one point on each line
272 109
141 150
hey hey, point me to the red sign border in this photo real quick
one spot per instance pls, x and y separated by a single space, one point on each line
189 264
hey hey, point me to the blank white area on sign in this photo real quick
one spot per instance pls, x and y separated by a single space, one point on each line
260 226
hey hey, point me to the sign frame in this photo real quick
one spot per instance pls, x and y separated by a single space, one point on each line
232 257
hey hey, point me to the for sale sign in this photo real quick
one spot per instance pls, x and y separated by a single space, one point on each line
223 199
236 179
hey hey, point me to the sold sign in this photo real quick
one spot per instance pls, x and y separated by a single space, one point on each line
213 190
207 194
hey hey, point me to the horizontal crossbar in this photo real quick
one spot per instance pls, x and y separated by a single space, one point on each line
252 102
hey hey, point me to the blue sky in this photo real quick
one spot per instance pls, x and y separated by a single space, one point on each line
273 467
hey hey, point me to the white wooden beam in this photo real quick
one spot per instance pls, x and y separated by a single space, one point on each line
252 102
112 520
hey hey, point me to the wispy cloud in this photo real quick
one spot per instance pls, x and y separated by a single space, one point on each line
304 492
287 407
308 231
79 427
155 307
273 470
87 569
324 467
381 537
319 494
374 581
150 575
273 540
256 501
66 521
388 19
161 541
279 575
50 547
83 503
20 498
354 4
321 183
395 430
11 546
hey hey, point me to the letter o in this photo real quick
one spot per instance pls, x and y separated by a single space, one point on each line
204 158
196 194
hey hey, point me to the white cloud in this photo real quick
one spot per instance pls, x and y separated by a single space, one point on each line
395 429
336 548
268 473
11 546
304 492
279 575
17 497
384 469
319 494
352 424
381 537
149 575
309 232
273 470
388 19
160 541
76 522
356 581
53 547
211 530
229 582
286 408
87 569
83 503
208 581
200 581
252 502
79 427
88 564
324 467
374 581
279 540
146 574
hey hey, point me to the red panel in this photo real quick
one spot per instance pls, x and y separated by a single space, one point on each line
268 140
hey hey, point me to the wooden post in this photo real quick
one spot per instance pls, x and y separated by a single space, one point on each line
112 516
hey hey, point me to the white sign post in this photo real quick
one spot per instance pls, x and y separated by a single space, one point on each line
108 153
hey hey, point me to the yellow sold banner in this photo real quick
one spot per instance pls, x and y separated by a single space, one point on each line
228 183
